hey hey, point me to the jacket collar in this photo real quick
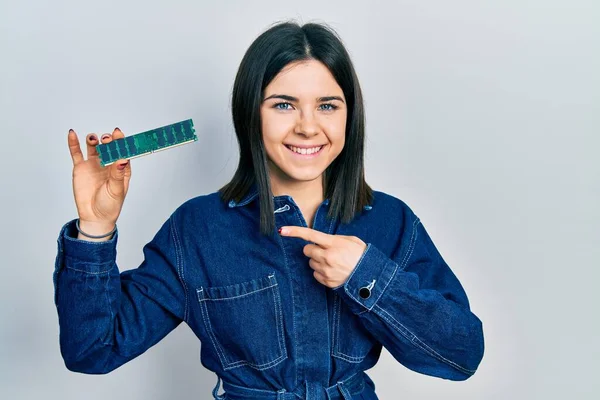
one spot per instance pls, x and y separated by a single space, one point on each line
253 193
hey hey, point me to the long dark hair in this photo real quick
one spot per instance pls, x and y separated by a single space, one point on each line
343 181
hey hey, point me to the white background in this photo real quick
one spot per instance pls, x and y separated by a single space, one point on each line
482 115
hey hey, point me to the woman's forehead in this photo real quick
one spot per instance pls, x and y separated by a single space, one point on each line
307 78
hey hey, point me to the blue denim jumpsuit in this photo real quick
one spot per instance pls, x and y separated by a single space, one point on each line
268 328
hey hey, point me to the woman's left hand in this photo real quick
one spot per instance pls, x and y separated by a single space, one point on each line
332 257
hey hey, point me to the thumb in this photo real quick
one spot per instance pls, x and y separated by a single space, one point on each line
116 177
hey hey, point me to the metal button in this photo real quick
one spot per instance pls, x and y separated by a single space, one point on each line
364 292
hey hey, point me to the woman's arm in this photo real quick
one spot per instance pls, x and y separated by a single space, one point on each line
107 318
416 307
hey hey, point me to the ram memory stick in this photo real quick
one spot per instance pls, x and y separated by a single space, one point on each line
148 142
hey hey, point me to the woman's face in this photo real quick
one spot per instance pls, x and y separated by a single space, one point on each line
303 121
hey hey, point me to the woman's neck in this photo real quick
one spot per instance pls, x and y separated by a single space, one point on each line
307 195
301 191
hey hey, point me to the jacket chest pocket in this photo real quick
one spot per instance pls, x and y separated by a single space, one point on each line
351 340
245 323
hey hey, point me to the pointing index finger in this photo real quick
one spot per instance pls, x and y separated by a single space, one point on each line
310 235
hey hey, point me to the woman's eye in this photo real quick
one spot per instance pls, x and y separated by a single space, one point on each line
282 106
328 107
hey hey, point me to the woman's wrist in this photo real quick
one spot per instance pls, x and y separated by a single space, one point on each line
95 231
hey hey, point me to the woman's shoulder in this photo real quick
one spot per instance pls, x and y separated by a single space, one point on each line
200 205
391 204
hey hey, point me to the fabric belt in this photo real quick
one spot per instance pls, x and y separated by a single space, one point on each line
342 390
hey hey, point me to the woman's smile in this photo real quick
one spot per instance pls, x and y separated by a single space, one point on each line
305 153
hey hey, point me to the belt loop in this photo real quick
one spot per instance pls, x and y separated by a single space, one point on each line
216 390
281 394
309 389
345 394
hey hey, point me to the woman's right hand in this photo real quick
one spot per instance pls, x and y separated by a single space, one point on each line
99 191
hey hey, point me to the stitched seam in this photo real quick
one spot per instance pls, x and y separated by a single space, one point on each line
111 330
359 261
89 272
336 348
255 366
88 263
358 358
418 342
412 244
245 388
299 368
338 352
339 319
279 320
337 323
331 225
258 281
208 326
334 339
179 262
411 248
315 217
238 296
349 278
248 200
300 219
77 260
326 305
329 232
344 357
285 259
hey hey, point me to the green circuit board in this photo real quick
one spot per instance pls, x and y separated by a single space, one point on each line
148 142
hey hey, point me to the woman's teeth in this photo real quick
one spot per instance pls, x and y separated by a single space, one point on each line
303 150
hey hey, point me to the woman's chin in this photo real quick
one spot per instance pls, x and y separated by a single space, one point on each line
302 176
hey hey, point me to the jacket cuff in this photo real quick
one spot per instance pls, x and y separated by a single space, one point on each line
85 255
368 281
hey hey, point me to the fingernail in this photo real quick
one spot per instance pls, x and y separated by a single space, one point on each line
105 137
122 166
92 138
279 230
117 129
71 130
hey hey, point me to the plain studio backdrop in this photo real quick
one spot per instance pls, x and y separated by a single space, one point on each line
483 116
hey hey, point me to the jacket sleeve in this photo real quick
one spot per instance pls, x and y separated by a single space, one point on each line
107 318
415 306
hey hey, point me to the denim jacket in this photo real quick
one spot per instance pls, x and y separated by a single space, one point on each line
268 328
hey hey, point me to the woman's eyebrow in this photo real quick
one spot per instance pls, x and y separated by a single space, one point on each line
295 99
329 98
281 96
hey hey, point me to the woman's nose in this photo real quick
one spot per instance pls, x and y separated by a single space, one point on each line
306 125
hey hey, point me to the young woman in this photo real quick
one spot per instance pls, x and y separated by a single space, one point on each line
294 274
